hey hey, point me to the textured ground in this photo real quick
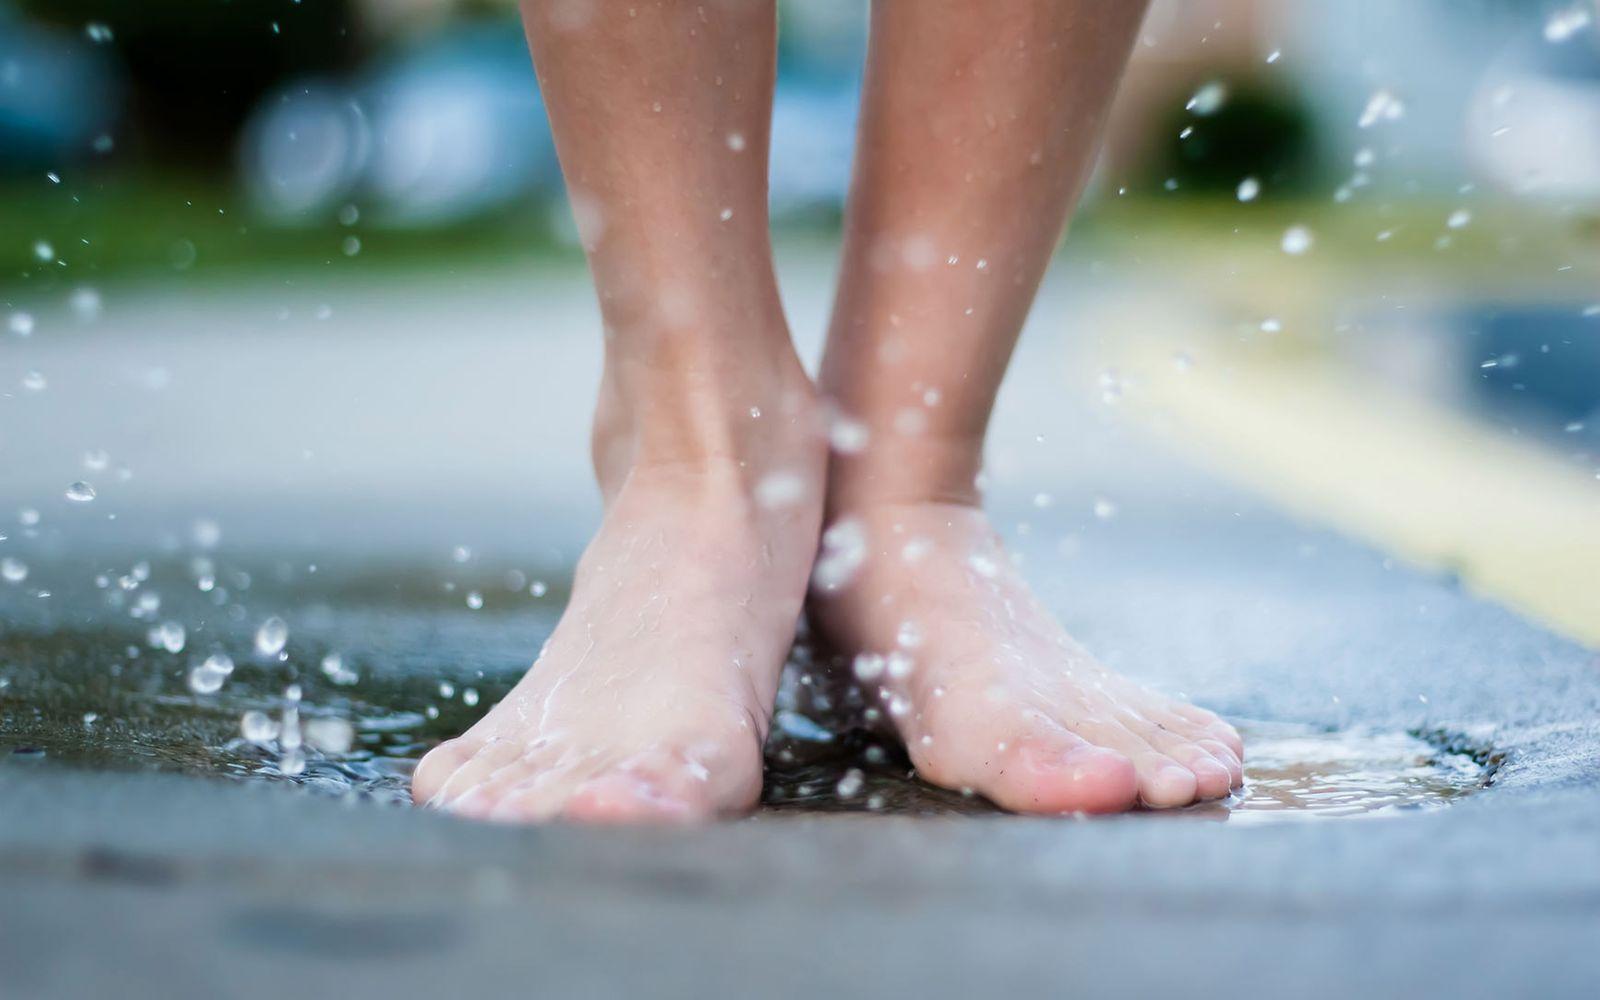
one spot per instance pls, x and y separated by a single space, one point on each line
159 885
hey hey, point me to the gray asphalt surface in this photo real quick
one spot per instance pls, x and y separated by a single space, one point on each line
157 885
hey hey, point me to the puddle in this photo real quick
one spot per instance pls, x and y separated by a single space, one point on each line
82 684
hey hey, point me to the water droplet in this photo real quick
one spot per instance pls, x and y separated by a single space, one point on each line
474 600
170 636
1271 325
1297 240
13 570
909 635
780 490
1248 189
96 460
469 697
735 141
258 727
21 323
1565 23
538 588
350 245
868 667
447 689
1104 509
330 735
334 669
850 785
34 381
208 677
1459 218
847 436
98 32
272 636
292 762
1381 106
1274 55
725 214
844 551
80 492
1208 100
44 252
460 554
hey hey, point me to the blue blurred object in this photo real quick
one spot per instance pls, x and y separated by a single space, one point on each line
1542 360
448 130
60 98
454 128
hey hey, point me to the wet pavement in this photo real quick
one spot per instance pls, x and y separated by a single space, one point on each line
374 459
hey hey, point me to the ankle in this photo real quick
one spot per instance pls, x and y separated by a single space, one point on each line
740 425
898 469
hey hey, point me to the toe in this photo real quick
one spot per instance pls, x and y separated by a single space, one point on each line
475 771
619 797
436 767
1225 756
1084 778
1163 782
1212 778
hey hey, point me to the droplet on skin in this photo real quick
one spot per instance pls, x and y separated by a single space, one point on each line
916 550
909 635
779 490
272 636
847 436
725 214
898 665
868 667
844 549
735 141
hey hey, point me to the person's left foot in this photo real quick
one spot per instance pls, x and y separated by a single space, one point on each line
988 691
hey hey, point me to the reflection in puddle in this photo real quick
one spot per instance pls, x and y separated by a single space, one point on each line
1292 772
90 691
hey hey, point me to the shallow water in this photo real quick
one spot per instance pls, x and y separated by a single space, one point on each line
88 679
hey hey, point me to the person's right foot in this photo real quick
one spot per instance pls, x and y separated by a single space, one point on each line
986 688
652 698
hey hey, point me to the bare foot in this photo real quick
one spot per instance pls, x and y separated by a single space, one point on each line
987 690
652 698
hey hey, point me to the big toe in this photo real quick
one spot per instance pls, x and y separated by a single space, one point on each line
1055 778
627 798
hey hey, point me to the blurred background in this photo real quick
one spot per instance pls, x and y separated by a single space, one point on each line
294 284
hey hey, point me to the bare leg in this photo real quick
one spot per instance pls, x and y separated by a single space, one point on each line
979 129
652 698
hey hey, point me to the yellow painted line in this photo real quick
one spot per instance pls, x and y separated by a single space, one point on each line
1518 522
